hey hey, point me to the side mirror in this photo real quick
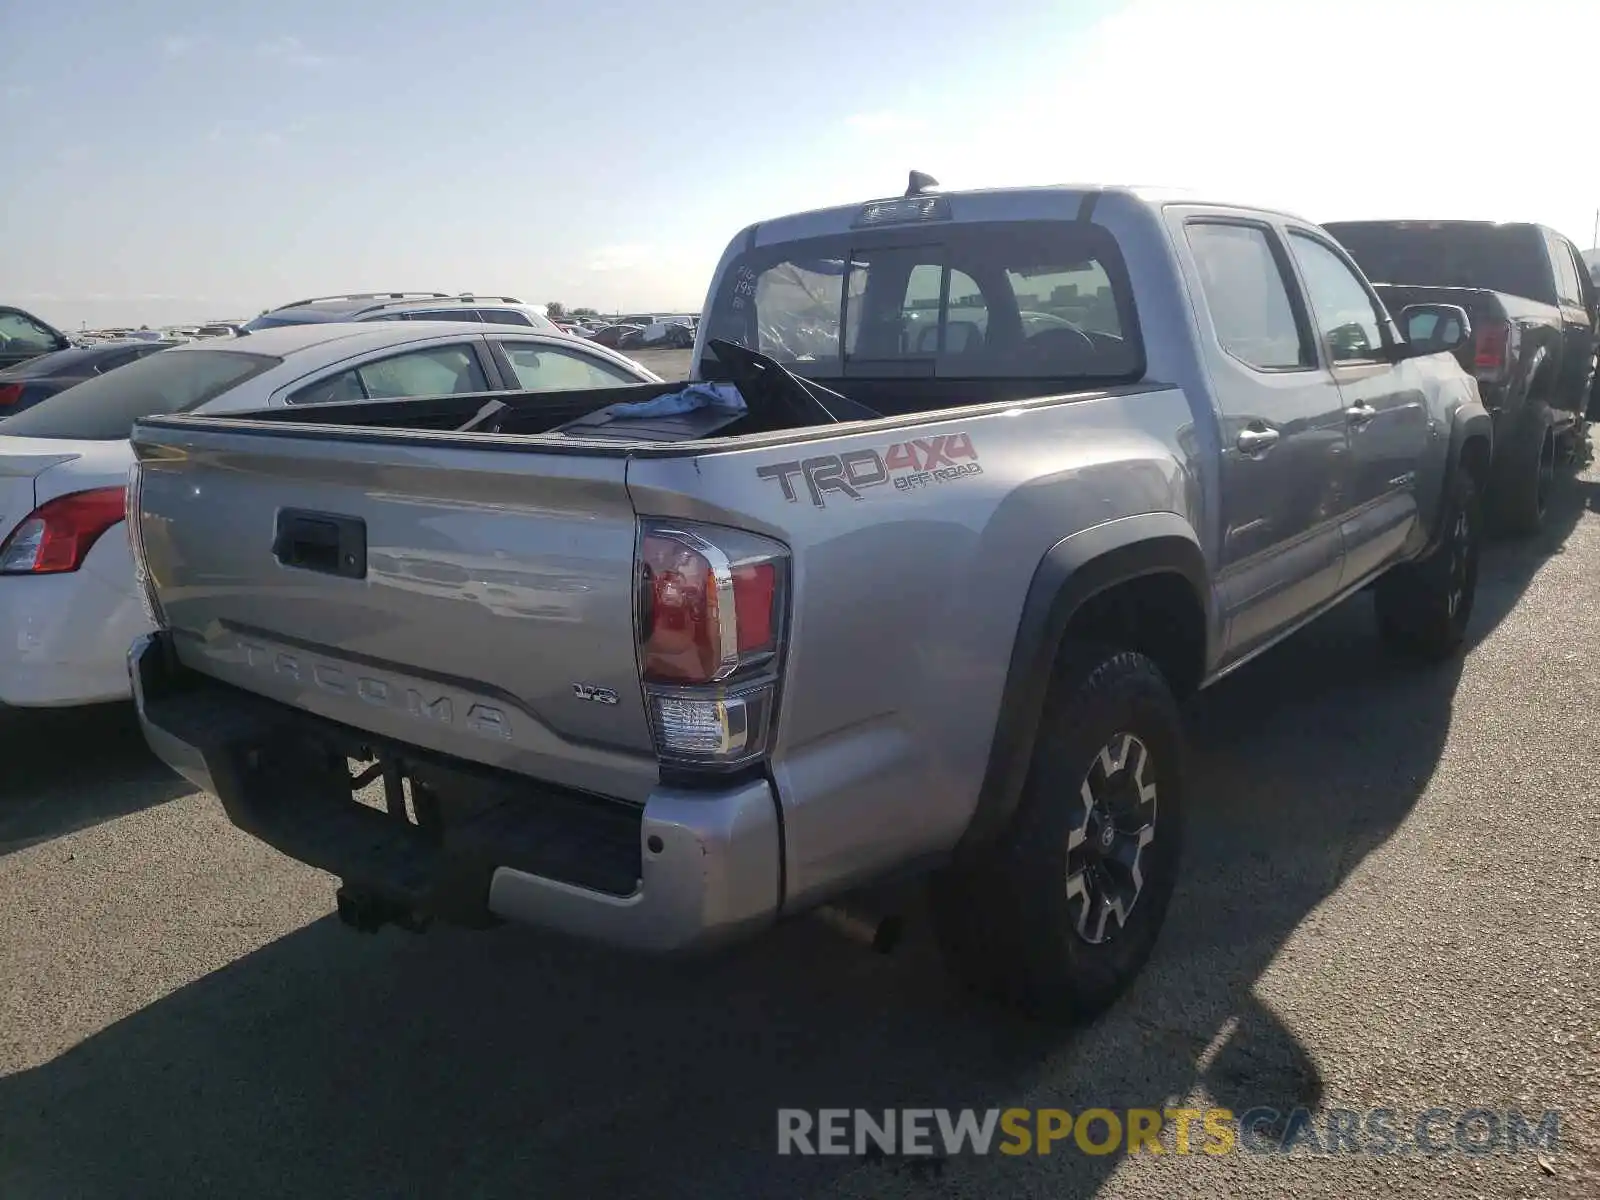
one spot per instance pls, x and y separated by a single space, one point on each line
1433 329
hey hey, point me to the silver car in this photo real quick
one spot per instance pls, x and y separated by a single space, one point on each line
407 306
65 460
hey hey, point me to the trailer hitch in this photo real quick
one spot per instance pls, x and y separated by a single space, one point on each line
367 913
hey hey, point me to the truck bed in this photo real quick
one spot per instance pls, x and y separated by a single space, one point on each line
376 564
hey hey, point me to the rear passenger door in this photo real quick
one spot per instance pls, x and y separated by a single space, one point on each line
444 369
1284 489
1385 408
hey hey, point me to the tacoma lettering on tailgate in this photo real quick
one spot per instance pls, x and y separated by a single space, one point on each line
371 689
918 463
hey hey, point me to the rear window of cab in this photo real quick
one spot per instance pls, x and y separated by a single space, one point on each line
1006 300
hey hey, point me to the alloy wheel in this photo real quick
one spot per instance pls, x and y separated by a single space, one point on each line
1460 560
1106 849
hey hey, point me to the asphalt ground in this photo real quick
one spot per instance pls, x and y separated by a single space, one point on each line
669 364
1391 900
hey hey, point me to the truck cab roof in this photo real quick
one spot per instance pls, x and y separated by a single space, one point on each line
1033 202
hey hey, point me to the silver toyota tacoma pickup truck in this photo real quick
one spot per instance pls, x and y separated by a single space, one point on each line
970 490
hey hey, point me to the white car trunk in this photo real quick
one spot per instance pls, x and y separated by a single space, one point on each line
34 470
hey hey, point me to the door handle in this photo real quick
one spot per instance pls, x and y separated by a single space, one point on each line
1254 441
1359 414
322 542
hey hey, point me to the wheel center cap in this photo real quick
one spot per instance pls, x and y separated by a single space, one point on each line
1108 834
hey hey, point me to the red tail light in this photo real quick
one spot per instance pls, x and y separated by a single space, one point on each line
10 393
702 617
1492 347
56 537
711 604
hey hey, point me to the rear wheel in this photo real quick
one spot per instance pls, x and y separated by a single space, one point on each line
1062 912
1524 480
1423 607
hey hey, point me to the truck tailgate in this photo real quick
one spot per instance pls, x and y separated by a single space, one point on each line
444 596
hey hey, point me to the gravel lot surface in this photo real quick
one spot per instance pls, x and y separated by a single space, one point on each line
1392 899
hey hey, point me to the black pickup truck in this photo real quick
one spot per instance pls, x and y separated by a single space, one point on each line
1533 309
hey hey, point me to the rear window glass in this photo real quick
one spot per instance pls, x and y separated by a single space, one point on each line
305 314
104 408
1508 259
1035 300
504 316
60 362
268 322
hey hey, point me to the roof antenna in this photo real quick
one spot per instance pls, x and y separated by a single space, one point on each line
920 182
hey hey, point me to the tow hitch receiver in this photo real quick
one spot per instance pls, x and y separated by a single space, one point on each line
369 913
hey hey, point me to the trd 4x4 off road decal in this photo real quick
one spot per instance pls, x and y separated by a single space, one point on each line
918 463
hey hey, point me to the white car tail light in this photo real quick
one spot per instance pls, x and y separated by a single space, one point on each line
57 536
711 612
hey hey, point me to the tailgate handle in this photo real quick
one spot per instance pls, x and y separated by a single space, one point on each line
324 542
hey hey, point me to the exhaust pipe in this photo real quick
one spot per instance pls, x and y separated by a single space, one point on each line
879 933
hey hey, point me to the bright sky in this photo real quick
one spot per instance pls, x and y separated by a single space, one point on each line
170 162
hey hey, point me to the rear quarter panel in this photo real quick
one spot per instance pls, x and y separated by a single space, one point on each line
1538 325
908 599
1543 341
907 595
1450 397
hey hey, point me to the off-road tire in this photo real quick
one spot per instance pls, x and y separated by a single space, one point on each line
1423 607
1524 479
1008 923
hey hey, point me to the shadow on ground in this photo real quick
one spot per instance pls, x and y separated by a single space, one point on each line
514 1064
65 769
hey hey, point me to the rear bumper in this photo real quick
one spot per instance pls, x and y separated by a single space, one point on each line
689 871
64 638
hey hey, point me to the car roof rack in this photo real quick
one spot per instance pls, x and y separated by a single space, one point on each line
463 298
367 296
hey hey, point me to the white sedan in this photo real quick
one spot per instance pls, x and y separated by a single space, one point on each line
69 607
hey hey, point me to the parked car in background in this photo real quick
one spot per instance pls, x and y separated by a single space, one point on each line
26 384
1534 316
921 606
24 336
663 335
575 328
65 574
611 336
406 306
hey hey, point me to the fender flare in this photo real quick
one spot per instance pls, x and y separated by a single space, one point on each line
1072 572
1470 421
